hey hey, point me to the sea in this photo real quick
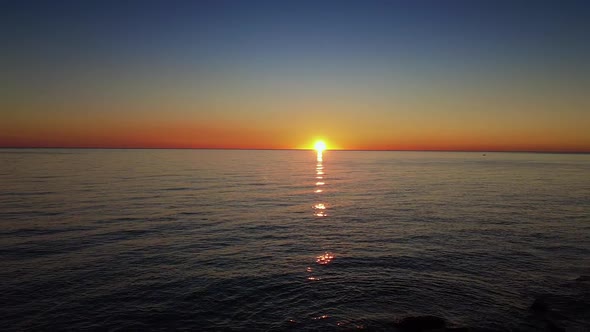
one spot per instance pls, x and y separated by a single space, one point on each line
258 240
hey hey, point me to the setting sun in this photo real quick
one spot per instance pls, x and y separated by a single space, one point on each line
319 146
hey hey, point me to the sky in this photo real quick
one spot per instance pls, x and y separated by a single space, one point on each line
377 75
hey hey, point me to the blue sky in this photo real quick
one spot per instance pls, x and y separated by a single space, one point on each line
215 62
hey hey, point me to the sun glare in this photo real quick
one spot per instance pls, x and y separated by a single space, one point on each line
319 146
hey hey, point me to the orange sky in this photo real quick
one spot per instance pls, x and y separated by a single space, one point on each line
339 133
449 118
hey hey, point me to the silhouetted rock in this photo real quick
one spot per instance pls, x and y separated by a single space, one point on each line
567 308
421 323
551 326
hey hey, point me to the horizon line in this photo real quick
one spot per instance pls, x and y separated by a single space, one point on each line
289 149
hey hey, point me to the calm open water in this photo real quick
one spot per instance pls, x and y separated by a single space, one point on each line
220 239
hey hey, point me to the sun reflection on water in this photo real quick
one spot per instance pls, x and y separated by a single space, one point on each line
325 259
320 214
320 210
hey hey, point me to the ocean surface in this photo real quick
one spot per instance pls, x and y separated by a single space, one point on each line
276 240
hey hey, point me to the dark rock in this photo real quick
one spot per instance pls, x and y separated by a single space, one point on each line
583 278
421 323
551 326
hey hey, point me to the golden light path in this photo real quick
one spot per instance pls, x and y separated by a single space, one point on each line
320 208
325 259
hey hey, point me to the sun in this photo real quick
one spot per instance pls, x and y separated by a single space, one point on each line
319 146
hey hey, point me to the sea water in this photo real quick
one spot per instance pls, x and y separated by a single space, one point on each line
274 240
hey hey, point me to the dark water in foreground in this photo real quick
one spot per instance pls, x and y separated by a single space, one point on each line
210 240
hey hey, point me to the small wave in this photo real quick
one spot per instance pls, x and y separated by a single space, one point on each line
177 189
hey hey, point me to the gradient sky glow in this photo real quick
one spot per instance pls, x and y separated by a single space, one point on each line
400 75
